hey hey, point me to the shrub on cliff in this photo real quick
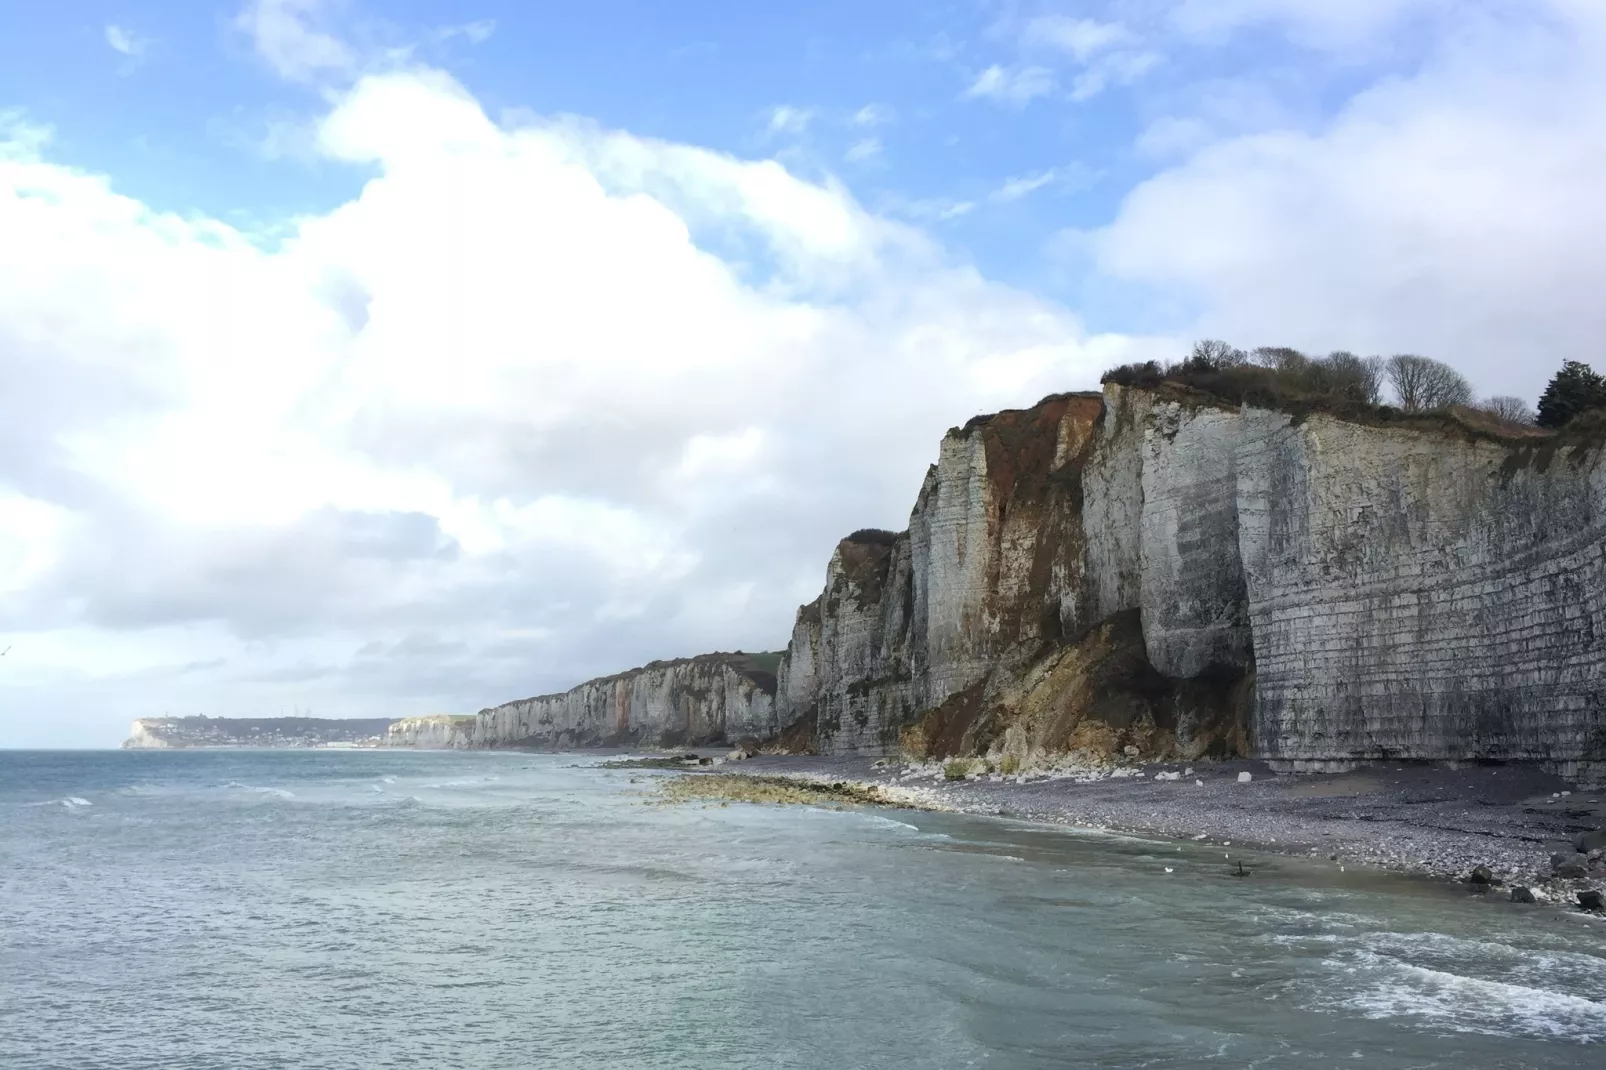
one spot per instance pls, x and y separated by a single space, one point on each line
873 536
1269 375
1511 410
1576 389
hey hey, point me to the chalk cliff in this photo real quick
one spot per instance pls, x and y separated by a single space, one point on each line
707 699
1173 574
438 732
174 732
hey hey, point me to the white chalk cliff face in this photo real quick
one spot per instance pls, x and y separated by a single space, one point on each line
145 734
1229 580
438 732
1164 573
1424 596
707 699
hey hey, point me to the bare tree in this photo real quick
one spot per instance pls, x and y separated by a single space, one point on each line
1350 377
1510 409
1280 358
1212 355
1422 383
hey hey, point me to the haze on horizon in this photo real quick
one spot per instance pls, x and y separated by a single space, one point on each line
382 358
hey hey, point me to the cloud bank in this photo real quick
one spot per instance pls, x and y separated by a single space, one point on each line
544 401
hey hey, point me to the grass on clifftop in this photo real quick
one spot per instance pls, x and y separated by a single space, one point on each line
732 787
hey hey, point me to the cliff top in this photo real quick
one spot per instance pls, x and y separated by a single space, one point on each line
758 667
278 723
1266 388
975 423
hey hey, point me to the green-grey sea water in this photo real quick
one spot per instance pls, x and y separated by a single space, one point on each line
324 909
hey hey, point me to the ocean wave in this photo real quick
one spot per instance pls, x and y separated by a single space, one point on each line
71 802
279 793
1390 988
469 782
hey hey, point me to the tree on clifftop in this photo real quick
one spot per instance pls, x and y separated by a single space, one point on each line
1575 389
1511 410
1424 383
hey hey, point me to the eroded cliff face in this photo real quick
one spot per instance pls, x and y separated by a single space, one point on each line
1421 596
707 699
1033 528
439 732
1163 571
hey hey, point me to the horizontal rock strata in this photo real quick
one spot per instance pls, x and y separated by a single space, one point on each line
1162 572
1169 572
707 699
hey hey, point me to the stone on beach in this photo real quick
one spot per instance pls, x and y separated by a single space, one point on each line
1245 777
1585 842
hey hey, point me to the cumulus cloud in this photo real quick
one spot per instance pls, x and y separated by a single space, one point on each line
543 401
1454 212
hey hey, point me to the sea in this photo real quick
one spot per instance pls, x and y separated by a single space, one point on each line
234 910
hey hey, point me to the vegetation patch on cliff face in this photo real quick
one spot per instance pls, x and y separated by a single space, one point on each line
866 558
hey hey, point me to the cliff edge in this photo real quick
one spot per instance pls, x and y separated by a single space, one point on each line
1159 571
711 698
1167 573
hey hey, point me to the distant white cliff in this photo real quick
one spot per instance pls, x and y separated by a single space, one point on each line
438 732
162 733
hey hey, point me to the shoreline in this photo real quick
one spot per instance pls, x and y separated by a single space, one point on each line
1419 820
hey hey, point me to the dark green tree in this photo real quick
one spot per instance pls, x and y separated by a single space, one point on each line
1575 389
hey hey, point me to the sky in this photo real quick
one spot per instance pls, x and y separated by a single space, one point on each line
369 358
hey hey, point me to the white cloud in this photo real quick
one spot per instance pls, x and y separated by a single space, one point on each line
928 209
126 41
1020 186
789 120
1318 23
476 32
1012 86
864 149
541 402
1213 110
1079 38
294 38
1455 212
1115 69
872 115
